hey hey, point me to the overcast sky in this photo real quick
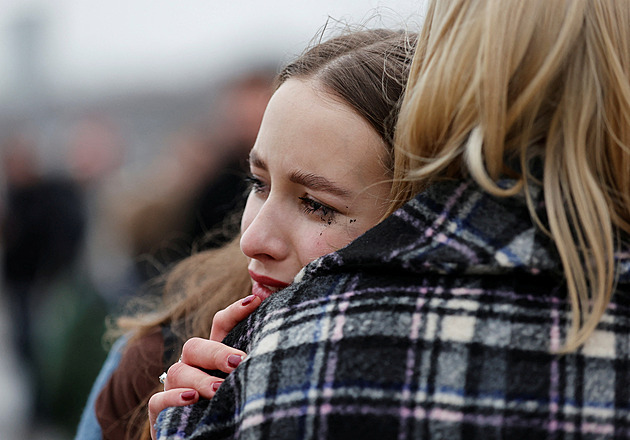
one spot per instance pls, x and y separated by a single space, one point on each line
93 45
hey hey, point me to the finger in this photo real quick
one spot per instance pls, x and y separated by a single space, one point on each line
181 375
175 397
225 320
211 355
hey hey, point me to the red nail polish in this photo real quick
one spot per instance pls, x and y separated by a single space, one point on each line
234 359
188 395
248 300
215 386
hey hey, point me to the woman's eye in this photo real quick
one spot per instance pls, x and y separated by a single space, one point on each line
324 212
255 184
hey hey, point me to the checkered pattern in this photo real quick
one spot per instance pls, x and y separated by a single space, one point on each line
437 324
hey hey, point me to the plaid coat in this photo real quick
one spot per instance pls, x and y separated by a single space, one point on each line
439 323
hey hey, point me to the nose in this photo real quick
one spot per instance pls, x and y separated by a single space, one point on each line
263 231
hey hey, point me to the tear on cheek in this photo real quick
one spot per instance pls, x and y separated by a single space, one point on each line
327 220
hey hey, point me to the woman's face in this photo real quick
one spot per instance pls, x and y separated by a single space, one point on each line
318 183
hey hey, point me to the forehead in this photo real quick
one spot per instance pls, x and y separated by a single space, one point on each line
306 127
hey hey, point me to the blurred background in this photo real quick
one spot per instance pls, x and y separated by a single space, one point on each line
123 128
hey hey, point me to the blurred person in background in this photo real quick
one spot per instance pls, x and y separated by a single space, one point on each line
95 153
70 322
43 229
20 245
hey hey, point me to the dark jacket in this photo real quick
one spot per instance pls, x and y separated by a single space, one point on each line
439 323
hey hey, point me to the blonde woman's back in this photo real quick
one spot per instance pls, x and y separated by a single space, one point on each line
538 91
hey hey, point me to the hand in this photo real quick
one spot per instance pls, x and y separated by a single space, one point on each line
186 382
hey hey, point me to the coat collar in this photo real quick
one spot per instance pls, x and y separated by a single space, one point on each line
458 228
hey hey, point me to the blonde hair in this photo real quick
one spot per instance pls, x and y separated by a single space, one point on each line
499 83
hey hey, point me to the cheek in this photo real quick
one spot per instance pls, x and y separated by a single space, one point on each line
321 241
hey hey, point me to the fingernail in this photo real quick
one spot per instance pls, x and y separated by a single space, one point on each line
188 395
215 386
234 360
248 300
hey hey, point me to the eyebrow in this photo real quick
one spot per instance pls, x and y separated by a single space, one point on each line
256 161
318 183
309 180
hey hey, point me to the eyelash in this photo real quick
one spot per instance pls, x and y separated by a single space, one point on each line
325 212
255 184
309 206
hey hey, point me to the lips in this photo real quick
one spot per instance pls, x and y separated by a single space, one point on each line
264 286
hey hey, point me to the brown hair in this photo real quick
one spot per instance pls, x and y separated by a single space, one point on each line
366 69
